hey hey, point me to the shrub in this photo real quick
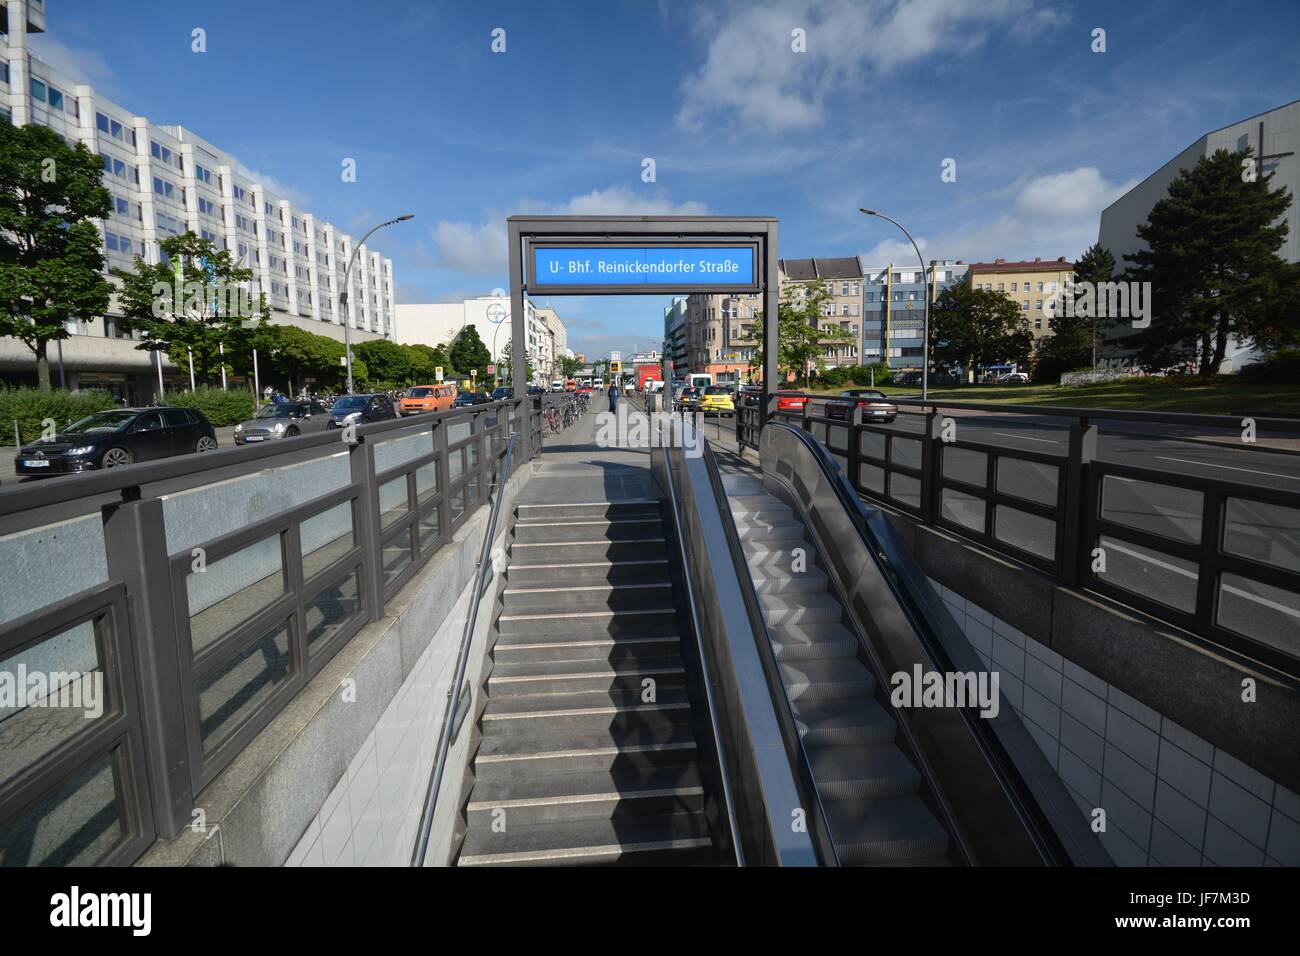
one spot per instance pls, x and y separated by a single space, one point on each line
1280 368
842 376
222 407
30 407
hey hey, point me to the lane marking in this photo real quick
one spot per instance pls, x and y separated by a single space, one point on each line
1209 464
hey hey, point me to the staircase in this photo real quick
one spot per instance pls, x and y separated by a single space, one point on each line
870 789
587 752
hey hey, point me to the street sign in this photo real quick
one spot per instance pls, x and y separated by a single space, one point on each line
615 356
473 373
491 369
438 374
615 367
642 268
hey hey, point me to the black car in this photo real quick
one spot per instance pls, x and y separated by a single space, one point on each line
536 390
118 437
361 410
502 393
875 406
466 399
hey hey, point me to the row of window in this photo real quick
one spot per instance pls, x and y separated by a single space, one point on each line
165 156
51 96
988 287
120 243
106 124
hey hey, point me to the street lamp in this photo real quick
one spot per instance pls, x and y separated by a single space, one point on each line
343 296
925 353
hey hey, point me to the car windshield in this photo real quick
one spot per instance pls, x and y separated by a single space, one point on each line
278 410
350 401
100 422
717 390
862 393
419 393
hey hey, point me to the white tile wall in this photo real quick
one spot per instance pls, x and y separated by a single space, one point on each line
371 817
1171 798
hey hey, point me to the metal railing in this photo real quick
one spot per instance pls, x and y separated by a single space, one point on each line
226 581
455 697
1217 557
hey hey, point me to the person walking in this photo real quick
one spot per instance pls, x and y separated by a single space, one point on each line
613 398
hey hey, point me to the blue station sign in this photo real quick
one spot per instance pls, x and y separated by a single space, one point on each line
643 268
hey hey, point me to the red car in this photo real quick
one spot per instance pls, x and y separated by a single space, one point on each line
791 401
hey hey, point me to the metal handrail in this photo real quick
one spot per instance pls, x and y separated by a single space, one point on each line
704 669
462 661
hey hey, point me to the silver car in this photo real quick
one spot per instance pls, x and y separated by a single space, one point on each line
282 420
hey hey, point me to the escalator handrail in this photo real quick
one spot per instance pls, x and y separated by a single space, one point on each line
462 661
1039 830
692 605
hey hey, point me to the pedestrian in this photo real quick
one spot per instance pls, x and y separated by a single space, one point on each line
613 398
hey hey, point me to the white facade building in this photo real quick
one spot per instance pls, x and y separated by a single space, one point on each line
167 180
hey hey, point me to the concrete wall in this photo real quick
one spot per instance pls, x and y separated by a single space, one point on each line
338 771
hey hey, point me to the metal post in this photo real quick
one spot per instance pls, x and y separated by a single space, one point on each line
771 322
925 276
519 335
362 463
160 380
930 451
63 375
135 545
221 347
343 296
191 353
1075 549
257 381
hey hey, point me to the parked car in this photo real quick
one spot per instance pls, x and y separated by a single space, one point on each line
789 401
361 410
875 407
469 399
118 437
282 420
717 400
688 399
420 399
502 393
536 390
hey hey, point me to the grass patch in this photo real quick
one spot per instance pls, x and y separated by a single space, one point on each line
1223 395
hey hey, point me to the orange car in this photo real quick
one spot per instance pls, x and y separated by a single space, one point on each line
427 398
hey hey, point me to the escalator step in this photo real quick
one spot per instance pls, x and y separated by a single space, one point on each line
888 830
816 640
834 679
843 722
863 772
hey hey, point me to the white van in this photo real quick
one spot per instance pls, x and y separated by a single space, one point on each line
557 385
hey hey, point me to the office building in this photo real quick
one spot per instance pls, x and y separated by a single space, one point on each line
166 180
894 309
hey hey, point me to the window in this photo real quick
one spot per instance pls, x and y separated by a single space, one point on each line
207 206
239 193
38 90
4 72
1038 304
123 207
56 99
202 175
1040 287
1024 306
1000 287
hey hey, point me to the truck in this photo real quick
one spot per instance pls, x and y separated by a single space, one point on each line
648 373
699 379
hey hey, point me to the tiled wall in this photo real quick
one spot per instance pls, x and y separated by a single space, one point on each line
371 816
1171 798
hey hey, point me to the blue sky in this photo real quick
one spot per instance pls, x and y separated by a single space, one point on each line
1044 131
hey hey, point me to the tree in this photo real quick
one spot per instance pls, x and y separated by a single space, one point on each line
1073 342
972 328
295 355
801 344
192 303
51 257
468 353
506 367
1213 266
567 365
388 363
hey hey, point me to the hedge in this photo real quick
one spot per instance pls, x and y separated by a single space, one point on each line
221 407
1280 368
30 407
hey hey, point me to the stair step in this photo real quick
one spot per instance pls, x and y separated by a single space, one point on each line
815 640
582 711
834 679
843 722
593 509
588 529
542 625
528 798
771 533
613 649
890 830
586 572
677 838
623 595
543 752
631 677
774 579
594 549
863 772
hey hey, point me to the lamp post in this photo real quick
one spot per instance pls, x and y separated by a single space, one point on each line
925 351
343 296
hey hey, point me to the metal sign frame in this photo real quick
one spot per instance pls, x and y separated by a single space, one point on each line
528 232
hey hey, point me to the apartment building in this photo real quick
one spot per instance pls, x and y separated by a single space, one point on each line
894 309
843 311
1031 285
436 324
166 180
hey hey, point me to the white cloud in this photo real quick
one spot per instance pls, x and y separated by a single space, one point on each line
83 65
274 186
479 248
1052 215
752 77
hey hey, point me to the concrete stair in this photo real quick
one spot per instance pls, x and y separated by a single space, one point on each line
869 787
587 752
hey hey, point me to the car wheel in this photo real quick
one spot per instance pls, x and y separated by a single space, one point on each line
292 432
205 443
116 458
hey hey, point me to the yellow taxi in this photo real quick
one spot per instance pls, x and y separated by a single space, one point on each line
717 400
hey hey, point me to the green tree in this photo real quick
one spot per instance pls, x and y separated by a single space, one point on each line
192 303
387 362
469 354
51 260
424 361
1073 342
972 328
1213 266
293 355
506 367
801 343
567 365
